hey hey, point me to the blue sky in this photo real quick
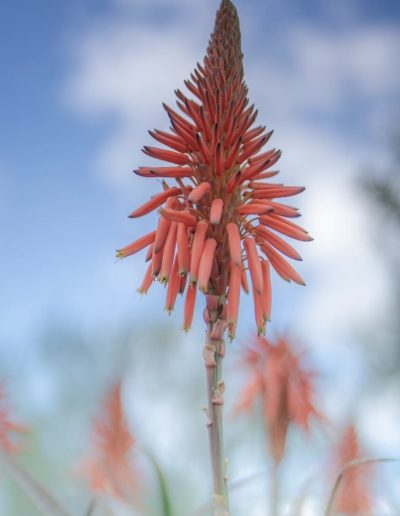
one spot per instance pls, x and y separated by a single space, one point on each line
81 84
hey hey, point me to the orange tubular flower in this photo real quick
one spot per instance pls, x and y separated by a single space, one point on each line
285 387
108 468
214 152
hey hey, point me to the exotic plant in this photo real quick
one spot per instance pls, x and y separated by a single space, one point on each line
220 217
278 379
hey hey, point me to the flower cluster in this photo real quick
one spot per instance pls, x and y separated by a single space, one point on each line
222 216
108 467
284 386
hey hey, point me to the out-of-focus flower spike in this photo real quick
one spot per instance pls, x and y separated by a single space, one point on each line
173 287
147 281
168 253
216 209
183 250
197 193
245 283
155 202
233 299
189 307
235 248
206 263
137 245
254 264
267 291
282 267
197 249
178 216
277 242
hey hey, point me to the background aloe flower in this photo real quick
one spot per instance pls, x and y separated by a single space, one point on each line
222 215
10 432
108 468
284 386
353 496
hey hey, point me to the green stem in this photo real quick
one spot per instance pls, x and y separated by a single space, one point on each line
213 356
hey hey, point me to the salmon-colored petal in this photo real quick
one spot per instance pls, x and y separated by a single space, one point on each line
245 283
266 294
164 172
168 253
197 249
233 299
166 155
173 287
282 267
183 249
235 249
190 303
284 227
205 266
216 210
155 202
254 264
137 245
197 193
179 216
277 242
147 281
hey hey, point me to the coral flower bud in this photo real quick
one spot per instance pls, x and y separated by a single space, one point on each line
147 281
233 299
197 249
206 262
189 307
254 264
173 287
168 253
266 294
216 209
235 249
137 245
197 193
178 216
155 202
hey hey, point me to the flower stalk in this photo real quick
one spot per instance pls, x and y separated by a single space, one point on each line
213 354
